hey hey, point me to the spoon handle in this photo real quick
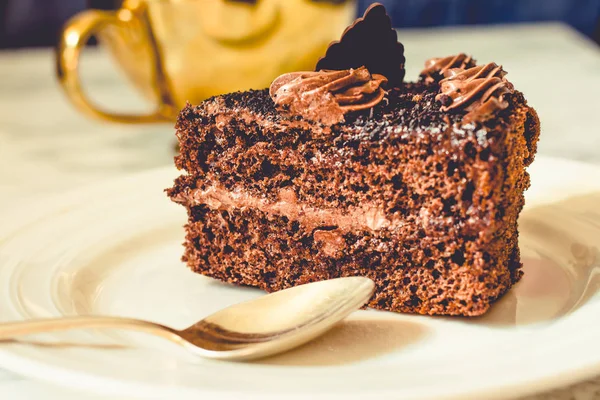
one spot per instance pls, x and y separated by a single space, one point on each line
10 330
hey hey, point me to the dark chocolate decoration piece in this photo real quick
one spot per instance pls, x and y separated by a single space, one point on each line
371 42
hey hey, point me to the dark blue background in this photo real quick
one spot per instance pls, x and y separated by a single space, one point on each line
37 22
583 15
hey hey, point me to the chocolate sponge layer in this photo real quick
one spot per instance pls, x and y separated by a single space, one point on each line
405 194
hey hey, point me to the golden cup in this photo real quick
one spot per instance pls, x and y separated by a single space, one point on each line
175 51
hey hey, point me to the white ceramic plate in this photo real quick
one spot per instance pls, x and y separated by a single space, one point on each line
115 249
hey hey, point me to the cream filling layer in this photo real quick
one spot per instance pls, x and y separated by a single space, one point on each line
366 217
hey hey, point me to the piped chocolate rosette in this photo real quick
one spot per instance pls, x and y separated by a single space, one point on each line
435 68
325 96
481 90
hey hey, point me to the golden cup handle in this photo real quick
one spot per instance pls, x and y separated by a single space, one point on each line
75 35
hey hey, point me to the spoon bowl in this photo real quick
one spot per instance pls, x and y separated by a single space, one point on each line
258 328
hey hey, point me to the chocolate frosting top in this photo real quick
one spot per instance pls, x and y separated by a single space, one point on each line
325 96
370 41
481 90
435 68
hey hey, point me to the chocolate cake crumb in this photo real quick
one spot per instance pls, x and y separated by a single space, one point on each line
434 201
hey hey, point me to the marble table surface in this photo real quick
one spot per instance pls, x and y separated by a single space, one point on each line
47 147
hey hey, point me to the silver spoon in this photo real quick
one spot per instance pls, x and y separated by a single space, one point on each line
257 328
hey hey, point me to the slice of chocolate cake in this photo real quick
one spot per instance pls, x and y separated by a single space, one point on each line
349 171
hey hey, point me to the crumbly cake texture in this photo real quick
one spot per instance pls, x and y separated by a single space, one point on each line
403 193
